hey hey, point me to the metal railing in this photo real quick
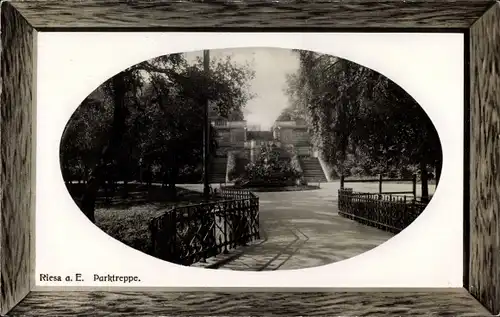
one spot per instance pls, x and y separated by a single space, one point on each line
384 211
189 234
234 193
380 180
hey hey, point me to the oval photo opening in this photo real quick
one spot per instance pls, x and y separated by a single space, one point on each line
250 159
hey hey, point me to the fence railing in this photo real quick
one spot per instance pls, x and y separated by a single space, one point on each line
189 234
380 180
384 211
234 193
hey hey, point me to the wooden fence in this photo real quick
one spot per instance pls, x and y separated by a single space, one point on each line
188 234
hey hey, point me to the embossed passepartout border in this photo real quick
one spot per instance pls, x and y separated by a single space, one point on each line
479 21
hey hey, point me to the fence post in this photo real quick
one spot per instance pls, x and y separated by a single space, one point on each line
414 181
174 250
153 237
380 186
342 179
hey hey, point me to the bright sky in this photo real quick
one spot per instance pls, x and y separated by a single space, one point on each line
271 65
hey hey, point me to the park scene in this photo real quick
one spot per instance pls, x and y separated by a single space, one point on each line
250 159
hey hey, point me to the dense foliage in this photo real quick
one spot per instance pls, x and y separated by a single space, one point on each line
271 168
148 120
362 123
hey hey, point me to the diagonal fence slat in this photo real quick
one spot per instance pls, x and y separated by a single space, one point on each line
189 234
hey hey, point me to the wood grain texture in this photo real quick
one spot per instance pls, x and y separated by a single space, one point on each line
296 14
16 176
450 303
485 160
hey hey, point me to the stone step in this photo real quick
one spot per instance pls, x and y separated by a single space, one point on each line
218 170
312 170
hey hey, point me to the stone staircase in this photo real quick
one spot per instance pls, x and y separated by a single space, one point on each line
218 170
312 169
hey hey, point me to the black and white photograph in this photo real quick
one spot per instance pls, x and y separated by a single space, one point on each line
156 155
250 159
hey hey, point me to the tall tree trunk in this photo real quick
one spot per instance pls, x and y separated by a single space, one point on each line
107 186
112 180
97 177
140 175
85 175
165 176
424 180
125 188
172 190
149 176
438 167
125 173
172 182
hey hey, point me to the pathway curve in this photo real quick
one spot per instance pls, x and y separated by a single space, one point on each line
303 229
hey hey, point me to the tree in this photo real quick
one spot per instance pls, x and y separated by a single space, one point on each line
119 85
149 115
286 115
359 116
86 129
183 102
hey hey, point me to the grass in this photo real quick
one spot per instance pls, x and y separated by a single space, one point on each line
281 188
127 219
376 179
130 226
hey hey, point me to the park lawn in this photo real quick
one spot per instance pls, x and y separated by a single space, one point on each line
129 225
279 188
128 221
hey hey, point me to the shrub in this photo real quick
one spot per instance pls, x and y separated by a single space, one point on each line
270 169
188 174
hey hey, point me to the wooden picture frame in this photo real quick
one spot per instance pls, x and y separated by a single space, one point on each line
479 21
